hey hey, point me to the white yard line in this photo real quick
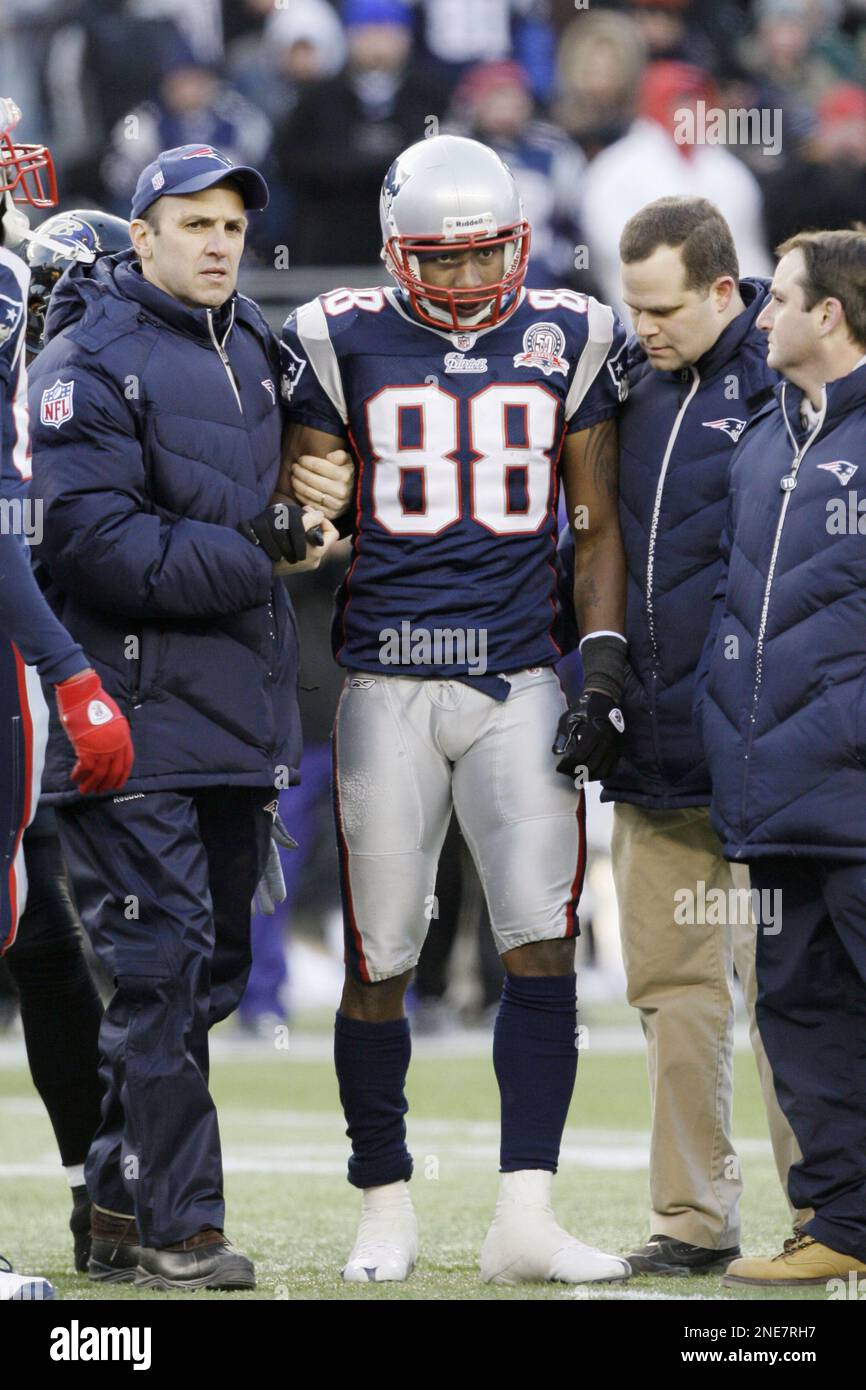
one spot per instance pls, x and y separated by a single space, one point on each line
624 1040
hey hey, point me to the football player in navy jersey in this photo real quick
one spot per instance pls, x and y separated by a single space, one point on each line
467 401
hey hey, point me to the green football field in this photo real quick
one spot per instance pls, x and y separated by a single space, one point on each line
291 1209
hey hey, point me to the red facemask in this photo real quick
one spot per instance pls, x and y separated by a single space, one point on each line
27 173
398 249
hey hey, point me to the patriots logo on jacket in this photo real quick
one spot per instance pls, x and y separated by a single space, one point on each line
733 428
842 468
56 407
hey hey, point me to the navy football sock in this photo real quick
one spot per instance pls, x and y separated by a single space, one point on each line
535 1058
372 1060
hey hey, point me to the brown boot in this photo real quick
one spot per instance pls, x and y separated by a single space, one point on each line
114 1247
803 1260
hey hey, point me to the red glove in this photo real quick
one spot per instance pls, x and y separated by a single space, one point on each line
97 731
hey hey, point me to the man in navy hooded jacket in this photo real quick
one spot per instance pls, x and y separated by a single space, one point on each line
783 712
156 450
697 368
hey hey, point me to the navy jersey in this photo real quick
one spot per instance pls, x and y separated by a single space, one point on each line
458 437
25 617
15 451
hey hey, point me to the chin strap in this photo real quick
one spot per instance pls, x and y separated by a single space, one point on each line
14 224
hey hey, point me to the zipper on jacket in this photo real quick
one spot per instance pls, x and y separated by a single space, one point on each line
223 355
654 523
787 485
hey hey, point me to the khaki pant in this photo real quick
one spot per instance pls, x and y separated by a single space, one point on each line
680 976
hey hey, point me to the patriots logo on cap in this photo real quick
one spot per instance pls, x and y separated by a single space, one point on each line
207 152
732 427
842 468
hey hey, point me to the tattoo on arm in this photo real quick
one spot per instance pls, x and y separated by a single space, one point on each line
586 593
601 454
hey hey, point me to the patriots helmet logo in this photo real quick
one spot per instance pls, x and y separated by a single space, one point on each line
842 468
395 178
732 427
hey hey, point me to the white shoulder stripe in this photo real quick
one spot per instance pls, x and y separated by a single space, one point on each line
312 326
600 320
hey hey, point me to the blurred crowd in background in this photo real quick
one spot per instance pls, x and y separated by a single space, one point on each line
578 95
581 99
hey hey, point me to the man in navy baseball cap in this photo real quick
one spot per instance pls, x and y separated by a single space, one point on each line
189 169
189 223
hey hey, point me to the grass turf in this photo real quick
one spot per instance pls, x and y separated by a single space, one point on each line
291 1209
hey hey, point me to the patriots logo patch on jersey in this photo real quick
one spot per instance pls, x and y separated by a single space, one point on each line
733 428
543 346
10 317
293 370
842 468
618 372
56 407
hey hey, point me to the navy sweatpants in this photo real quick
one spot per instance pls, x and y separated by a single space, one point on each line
811 1011
163 882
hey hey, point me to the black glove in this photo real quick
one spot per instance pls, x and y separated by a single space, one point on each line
589 737
279 530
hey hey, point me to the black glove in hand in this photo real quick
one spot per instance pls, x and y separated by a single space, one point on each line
279 530
589 737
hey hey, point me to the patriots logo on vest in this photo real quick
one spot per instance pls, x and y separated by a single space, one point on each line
842 468
56 407
543 346
733 428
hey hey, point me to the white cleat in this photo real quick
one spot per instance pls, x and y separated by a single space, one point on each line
23 1287
526 1245
386 1246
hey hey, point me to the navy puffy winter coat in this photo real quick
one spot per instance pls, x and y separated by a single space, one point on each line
783 707
678 431
156 429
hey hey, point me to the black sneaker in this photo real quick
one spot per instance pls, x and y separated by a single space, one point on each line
114 1248
204 1261
662 1255
79 1225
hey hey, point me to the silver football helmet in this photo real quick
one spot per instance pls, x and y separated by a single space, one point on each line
449 193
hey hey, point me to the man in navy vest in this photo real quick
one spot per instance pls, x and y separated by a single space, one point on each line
697 368
156 449
783 712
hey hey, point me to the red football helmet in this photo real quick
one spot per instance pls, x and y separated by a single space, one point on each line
26 171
